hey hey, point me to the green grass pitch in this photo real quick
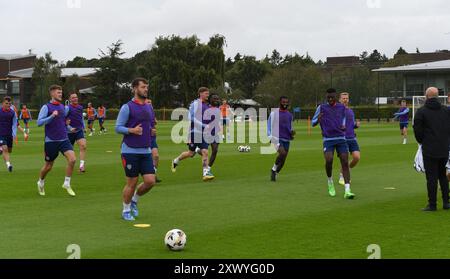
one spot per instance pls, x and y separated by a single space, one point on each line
239 215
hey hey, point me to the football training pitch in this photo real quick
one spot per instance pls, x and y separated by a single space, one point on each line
241 214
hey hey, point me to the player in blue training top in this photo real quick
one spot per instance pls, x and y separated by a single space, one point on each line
135 122
403 117
332 120
280 133
197 140
8 130
350 135
53 116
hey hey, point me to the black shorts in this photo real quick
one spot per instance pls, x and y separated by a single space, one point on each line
74 137
135 164
6 140
52 149
101 121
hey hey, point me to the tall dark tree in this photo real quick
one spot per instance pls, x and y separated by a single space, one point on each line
401 51
111 75
46 72
276 59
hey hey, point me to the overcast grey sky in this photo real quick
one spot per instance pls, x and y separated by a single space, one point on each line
70 28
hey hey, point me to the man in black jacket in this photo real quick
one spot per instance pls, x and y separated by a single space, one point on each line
432 130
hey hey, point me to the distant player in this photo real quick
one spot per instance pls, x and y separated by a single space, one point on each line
403 116
76 128
350 135
134 122
8 130
280 133
332 120
226 113
213 114
154 147
22 130
199 123
91 115
53 116
101 115
25 115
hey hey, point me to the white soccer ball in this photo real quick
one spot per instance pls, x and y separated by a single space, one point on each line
244 148
175 240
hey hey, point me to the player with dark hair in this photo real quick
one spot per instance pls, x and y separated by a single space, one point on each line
76 128
91 116
101 115
8 130
332 120
154 147
25 115
214 114
134 122
280 132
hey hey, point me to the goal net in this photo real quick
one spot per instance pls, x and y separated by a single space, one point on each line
419 101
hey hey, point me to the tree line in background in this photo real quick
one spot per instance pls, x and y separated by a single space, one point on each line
176 67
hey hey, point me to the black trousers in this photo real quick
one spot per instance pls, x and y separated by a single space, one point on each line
435 170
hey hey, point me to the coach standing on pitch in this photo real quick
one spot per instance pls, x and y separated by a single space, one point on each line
432 130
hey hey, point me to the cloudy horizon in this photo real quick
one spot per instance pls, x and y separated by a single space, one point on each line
322 28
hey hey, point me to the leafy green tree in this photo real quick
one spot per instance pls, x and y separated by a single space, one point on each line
303 84
46 72
246 74
177 67
111 75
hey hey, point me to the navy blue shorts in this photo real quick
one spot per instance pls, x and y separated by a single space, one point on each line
6 140
74 137
339 145
193 144
101 121
135 164
26 120
285 144
154 144
52 149
403 125
353 145
91 121
225 121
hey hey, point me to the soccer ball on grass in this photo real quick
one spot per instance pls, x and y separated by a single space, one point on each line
175 240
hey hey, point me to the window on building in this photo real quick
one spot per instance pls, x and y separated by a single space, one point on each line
416 89
3 88
15 87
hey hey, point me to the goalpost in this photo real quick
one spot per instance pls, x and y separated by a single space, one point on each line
419 101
